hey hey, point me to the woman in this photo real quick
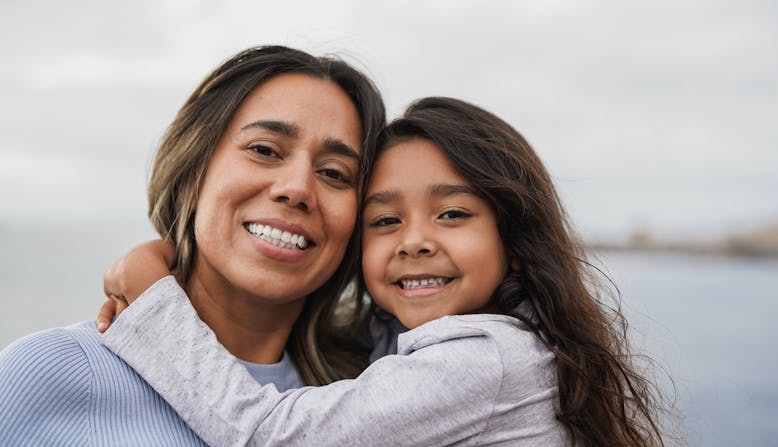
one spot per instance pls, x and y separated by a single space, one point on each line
270 139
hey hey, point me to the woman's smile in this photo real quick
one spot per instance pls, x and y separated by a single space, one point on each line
279 238
281 235
277 206
280 241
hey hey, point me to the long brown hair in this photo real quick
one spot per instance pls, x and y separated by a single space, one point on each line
322 351
604 400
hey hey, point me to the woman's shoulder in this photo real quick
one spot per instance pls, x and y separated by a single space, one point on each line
50 357
45 383
77 339
59 360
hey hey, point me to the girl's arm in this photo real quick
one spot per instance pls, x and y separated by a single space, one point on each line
131 274
441 391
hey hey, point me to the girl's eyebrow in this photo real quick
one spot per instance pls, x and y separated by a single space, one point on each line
381 198
446 189
441 189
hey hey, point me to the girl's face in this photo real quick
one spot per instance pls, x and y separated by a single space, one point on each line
431 245
277 205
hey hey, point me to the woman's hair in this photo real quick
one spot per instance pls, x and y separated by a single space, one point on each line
315 344
604 399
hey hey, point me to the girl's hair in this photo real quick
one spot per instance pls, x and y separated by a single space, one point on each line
603 399
315 344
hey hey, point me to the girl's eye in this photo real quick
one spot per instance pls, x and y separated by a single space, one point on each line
454 214
384 221
265 151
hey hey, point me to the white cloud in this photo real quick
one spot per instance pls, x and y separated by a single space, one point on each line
628 104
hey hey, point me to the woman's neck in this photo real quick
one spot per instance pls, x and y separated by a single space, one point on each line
252 330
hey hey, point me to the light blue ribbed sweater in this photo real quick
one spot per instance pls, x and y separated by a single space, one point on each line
62 387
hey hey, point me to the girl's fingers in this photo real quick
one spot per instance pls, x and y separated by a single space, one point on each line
120 305
110 309
110 280
105 314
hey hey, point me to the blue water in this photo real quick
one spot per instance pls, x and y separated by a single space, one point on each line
710 321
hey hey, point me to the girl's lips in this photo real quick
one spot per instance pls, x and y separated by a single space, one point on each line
423 281
431 288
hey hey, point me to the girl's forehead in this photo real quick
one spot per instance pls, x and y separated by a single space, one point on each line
416 166
411 152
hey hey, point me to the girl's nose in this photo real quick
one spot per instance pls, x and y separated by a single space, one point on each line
416 242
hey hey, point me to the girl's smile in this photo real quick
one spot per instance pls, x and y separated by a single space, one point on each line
412 286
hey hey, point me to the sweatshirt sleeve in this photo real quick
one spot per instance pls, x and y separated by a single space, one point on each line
44 391
440 393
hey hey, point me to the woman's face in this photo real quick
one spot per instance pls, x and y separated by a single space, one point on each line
278 204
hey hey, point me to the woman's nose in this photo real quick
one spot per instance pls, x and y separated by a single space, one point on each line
295 185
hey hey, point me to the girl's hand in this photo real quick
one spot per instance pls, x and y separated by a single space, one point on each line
110 309
131 275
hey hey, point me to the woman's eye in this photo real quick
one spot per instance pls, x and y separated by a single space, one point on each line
336 177
265 151
384 221
454 214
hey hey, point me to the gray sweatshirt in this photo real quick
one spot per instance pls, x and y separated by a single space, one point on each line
460 380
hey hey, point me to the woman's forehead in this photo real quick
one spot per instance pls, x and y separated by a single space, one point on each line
300 106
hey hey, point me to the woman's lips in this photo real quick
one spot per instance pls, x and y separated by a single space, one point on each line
278 237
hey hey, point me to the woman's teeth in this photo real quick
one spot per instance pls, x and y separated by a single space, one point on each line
426 282
279 238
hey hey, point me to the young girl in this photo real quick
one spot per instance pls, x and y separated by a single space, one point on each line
465 241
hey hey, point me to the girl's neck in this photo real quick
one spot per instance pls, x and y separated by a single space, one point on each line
250 329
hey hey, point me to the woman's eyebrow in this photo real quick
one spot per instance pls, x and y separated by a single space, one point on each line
337 146
287 129
279 127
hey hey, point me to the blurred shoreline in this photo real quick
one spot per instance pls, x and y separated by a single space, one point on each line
761 242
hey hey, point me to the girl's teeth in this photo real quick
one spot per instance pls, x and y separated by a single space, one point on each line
419 283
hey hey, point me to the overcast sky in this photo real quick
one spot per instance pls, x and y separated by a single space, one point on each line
658 115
